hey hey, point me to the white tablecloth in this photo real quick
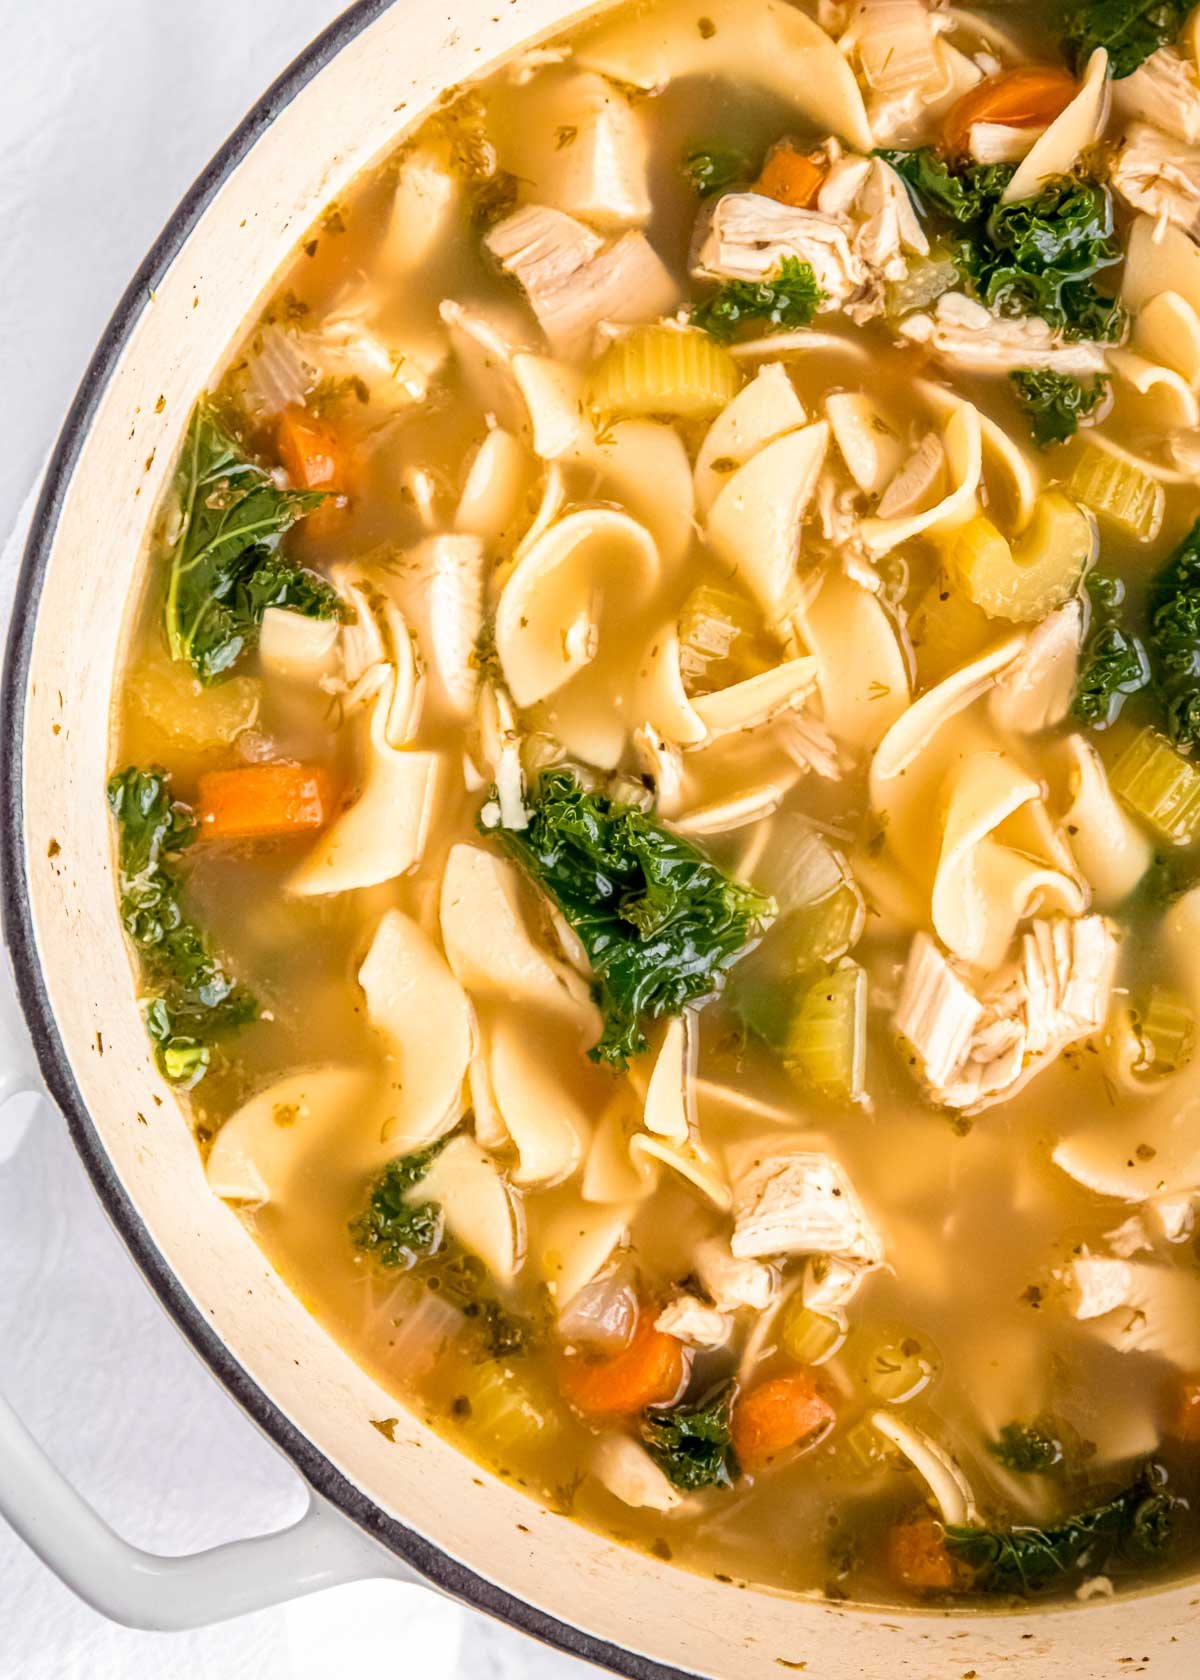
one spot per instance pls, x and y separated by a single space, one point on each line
110 109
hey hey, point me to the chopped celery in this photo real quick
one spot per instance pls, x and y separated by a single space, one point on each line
946 629
821 932
763 989
1026 579
679 371
862 1452
1159 785
503 1411
721 639
1166 1029
1117 490
827 1038
898 1369
809 1337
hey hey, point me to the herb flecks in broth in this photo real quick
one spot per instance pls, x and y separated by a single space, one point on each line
680 659
661 924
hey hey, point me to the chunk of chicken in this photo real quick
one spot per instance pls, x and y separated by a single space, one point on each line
731 1282
887 223
920 482
631 1475
1036 690
1097 1284
974 1049
749 237
694 1322
801 1202
970 339
574 281
830 1285
1160 175
1164 90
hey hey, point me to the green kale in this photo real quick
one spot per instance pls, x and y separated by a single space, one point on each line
714 169
1130 30
660 923
789 299
224 567
1173 610
1038 256
692 1445
1054 403
1027 1449
391 1229
192 998
960 193
1113 663
1137 1526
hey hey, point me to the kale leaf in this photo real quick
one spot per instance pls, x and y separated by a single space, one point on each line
1173 610
1138 1525
391 1229
1130 30
192 996
789 299
692 1445
224 565
714 169
1054 403
1113 663
1038 256
660 923
1026 1448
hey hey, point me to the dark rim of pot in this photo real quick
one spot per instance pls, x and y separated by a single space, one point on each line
436 1566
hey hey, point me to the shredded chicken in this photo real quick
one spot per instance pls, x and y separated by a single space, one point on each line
750 237
631 1475
1160 175
887 223
920 483
970 339
808 743
831 1284
974 1049
1164 91
1036 690
801 1202
574 281
1097 1284
731 1282
1130 1237
694 1322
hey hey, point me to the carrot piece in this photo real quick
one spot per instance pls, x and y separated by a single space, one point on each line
262 800
1185 1421
778 1415
311 451
918 1559
649 1371
1019 99
790 176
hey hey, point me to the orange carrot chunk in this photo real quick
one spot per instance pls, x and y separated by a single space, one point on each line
649 1371
261 801
1024 98
918 1559
311 451
790 176
777 1416
1185 1420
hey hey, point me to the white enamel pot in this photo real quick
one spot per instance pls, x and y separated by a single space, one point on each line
412 1509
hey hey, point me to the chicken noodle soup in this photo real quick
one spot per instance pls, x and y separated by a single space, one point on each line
657 794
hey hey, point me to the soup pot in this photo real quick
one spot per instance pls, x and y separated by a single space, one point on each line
411 1507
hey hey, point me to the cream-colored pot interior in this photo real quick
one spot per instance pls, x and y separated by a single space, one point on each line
344 116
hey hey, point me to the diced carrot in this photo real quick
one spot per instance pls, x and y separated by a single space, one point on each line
259 801
790 176
779 1414
1019 98
311 451
649 1371
918 1559
1185 1420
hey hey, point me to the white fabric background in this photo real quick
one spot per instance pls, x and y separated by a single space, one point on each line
108 109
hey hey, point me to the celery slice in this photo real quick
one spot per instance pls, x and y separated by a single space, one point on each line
947 629
1025 580
721 640
1159 785
809 1337
1166 1029
898 1369
1117 490
677 371
826 1042
862 1452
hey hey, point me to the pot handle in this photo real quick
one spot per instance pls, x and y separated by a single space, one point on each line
169 1594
